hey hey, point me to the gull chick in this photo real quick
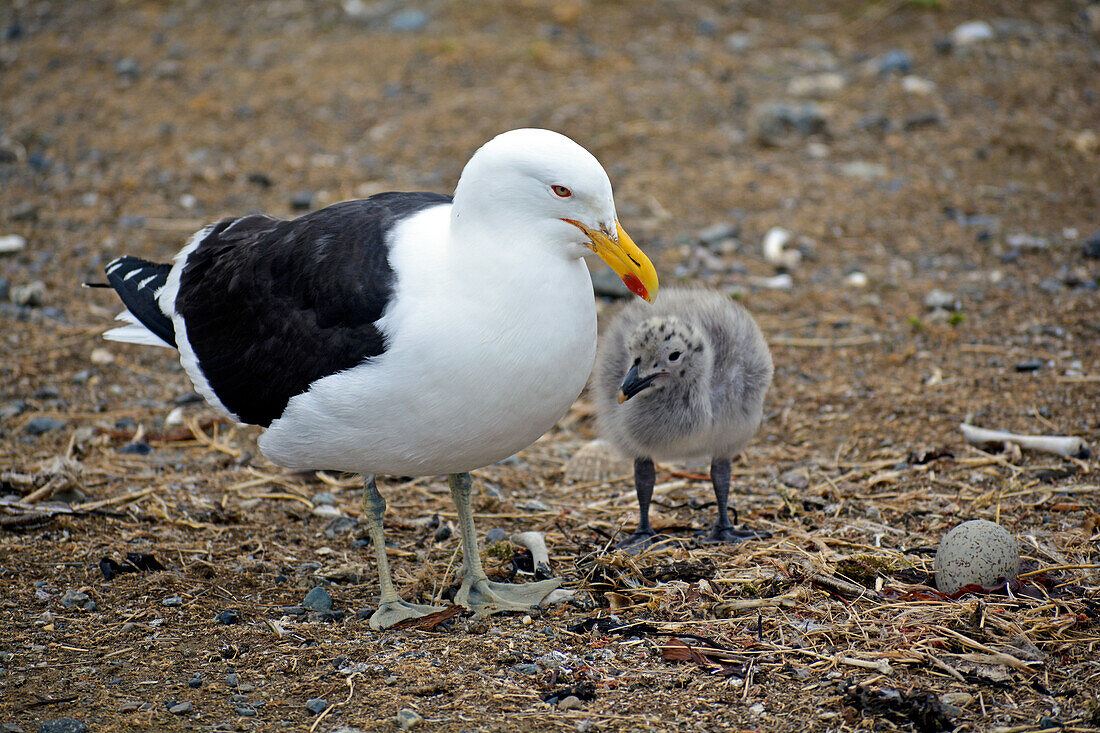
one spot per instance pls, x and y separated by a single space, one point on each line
682 379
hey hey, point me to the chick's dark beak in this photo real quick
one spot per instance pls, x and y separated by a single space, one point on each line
633 384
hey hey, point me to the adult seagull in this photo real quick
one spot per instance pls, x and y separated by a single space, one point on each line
408 333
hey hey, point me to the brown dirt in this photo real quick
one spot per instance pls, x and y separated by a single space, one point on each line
867 379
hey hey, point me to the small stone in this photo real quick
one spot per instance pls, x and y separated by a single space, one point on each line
527 668
173 601
1031 365
340 527
181 708
324 497
316 705
301 200
407 719
194 683
796 479
533 505
228 618
130 706
31 295
326 510
495 535
1091 247
941 299
318 599
776 123
188 398
232 680
138 448
816 85
5 289
62 725
25 211
1027 242
175 417
245 711
922 119
975 31
894 61
570 702
607 284
40 425
863 170
717 233
856 279
409 21
774 250
128 68
918 85
11 243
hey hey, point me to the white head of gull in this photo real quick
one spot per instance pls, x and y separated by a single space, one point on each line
407 334
684 379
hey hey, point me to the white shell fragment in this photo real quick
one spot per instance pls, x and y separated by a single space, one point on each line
597 460
976 552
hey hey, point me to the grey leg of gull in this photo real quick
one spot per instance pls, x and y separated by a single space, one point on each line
391 609
645 475
477 592
723 530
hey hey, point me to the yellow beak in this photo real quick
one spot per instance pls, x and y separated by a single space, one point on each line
624 257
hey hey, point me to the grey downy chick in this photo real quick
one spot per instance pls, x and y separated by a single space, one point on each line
682 379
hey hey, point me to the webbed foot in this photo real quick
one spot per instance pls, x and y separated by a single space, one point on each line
487 597
392 612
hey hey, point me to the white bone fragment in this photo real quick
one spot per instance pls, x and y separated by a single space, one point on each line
536 543
1068 446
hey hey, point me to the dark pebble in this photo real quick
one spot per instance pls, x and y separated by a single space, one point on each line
125 423
62 725
228 618
13 409
5 289
260 179
24 212
140 448
245 711
194 683
128 68
47 393
232 679
1045 722
925 119
301 200
1030 365
496 534
443 533
293 611
318 599
1091 247
187 398
41 425
181 708
776 122
316 705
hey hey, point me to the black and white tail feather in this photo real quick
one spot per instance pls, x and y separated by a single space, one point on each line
139 284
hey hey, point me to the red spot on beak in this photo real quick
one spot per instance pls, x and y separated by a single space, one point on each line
635 285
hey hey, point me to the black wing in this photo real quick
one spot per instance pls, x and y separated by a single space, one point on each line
138 283
271 306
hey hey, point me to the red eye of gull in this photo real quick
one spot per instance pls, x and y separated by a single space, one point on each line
561 191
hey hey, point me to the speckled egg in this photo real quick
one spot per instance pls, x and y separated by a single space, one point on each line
976 552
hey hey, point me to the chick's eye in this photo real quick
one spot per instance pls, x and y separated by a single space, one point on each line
674 356
561 191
